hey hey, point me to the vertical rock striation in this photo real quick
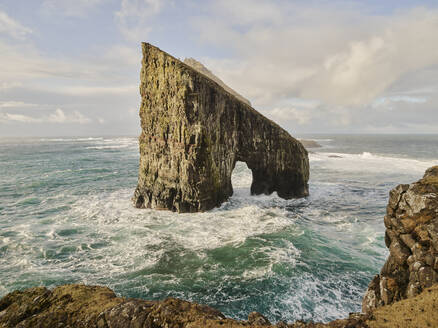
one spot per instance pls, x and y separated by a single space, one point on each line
194 131
411 235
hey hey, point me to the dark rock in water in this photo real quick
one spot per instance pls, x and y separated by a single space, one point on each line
193 132
309 143
98 307
411 223
335 156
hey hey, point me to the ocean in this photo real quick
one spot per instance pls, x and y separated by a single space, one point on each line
66 217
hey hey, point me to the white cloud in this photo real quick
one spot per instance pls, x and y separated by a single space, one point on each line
76 8
23 61
12 28
58 116
134 17
333 55
97 91
15 104
5 85
8 117
244 12
291 114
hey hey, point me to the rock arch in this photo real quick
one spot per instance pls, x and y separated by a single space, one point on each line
193 132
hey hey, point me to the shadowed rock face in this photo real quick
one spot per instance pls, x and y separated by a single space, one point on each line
193 132
411 223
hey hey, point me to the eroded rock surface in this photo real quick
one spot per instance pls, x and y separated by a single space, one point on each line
98 307
194 131
411 223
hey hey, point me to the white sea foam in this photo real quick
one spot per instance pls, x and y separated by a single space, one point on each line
229 227
322 140
114 143
367 161
326 305
108 147
248 243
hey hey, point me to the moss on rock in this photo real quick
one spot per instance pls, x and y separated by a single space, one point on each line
194 131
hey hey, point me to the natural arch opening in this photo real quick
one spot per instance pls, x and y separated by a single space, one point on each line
192 132
241 179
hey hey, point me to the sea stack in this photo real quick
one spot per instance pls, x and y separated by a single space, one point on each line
194 132
411 235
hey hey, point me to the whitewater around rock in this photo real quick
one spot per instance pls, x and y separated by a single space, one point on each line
194 132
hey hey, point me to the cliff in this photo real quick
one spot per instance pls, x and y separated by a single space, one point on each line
411 235
193 63
98 307
194 131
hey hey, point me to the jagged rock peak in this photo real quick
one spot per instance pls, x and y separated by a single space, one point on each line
194 132
411 235
193 63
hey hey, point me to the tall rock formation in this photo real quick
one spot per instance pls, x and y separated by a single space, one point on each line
411 223
194 131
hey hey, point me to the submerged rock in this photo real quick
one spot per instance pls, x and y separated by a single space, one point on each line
411 235
98 307
194 132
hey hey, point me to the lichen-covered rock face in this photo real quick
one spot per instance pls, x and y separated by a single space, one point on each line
193 132
411 223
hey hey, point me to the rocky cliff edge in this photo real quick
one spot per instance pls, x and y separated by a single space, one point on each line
98 307
411 235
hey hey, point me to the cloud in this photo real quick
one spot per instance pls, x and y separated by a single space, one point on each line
23 61
331 54
15 104
8 117
12 28
58 116
77 8
134 16
291 114
5 85
327 66
97 91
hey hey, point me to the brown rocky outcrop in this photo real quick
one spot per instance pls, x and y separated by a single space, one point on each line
83 306
411 235
194 131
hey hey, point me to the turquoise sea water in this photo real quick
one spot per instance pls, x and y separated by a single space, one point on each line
66 216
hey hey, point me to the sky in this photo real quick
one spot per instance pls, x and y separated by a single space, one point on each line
71 68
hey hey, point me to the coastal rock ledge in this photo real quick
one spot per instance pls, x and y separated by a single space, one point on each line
411 235
80 306
194 132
